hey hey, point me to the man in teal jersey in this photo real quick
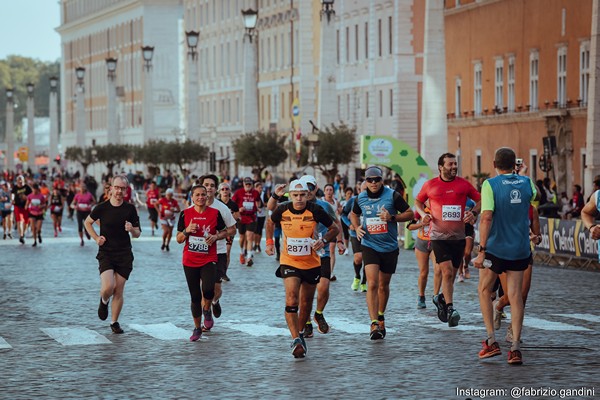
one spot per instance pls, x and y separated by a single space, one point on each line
504 246
382 208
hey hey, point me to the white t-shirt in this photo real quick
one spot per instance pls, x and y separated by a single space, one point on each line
229 222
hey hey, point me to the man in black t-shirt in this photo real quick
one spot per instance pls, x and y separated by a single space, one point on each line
117 219
19 196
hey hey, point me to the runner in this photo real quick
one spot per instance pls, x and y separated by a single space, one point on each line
378 234
199 228
356 247
225 198
83 203
57 202
329 197
261 215
115 258
6 210
248 201
210 183
36 207
19 198
152 197
447 195
348 193
463 270
504 247
167 208
300 263
589 214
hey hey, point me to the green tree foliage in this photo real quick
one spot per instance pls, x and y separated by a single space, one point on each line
260 150
112 154
183 153
83 156
337 145
16 72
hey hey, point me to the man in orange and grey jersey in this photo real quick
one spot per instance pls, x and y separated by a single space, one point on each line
248 200
211 182
300 264
447 195
152 197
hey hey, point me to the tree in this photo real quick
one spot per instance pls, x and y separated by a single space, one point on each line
83 156
112 154
337 145
183 153
260 150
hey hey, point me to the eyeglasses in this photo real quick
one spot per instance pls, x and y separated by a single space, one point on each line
120 187
375 179
247 183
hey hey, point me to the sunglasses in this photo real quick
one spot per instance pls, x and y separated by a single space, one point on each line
376 179
310 186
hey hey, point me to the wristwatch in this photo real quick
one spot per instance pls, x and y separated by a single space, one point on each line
324 241
482 248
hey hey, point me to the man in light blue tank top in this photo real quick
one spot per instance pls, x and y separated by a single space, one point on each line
382 208
588 216
504 247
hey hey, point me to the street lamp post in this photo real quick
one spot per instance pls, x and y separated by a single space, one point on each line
112 135
53 151
10 133
80 122
30 128
250 72
193 118
148 114
327 90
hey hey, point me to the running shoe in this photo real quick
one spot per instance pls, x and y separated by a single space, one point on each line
226 278
322 325
333 278
421 302
242 259
488 351
302 339
515 357
22 239
497 315
440 303
381 322
460 278
258 249
298 349
197 334
81 244
116 328
102 310
216 309
34 244
208 319
167 248
375 331
363 287
346 252
308 330
10 235
250 262
4 236
355 284
60 229
453 317
162 247
55 233
467 273
40 237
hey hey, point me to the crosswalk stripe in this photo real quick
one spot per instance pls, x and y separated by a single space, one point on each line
166 331
254 329
584 317
344 325
75 336
546 325
4 344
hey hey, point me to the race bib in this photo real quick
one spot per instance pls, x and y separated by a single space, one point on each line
153 201
83 206
376 226
36 202
197 244
56 208
299 246
168 213
248 205
451 213
7 206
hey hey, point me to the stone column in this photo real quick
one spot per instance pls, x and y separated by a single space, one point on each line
30 134
592 167
250 115
193 117
10 135
112 129
53 151
148 112
327 99
80 120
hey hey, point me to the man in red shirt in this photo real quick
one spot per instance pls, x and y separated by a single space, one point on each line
447 195
152 197
248 200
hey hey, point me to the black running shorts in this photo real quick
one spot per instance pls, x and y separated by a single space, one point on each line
242 228
119 261
356 246
221 266
326 267
310 276
449 250
386 260
500 265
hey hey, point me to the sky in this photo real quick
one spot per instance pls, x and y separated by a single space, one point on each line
27 29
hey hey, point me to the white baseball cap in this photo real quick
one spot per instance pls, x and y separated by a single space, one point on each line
169 191
298 186
308 179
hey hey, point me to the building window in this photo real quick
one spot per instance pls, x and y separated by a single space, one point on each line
391 102
379 36
275 56
499 84
561 84
457 98
339 108
477 88
390 34
584 73
511 84
348 107
534 64
356 42
381 103
347 44
366 40
337 40
367 104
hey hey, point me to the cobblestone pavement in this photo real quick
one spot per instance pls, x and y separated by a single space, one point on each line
53 345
